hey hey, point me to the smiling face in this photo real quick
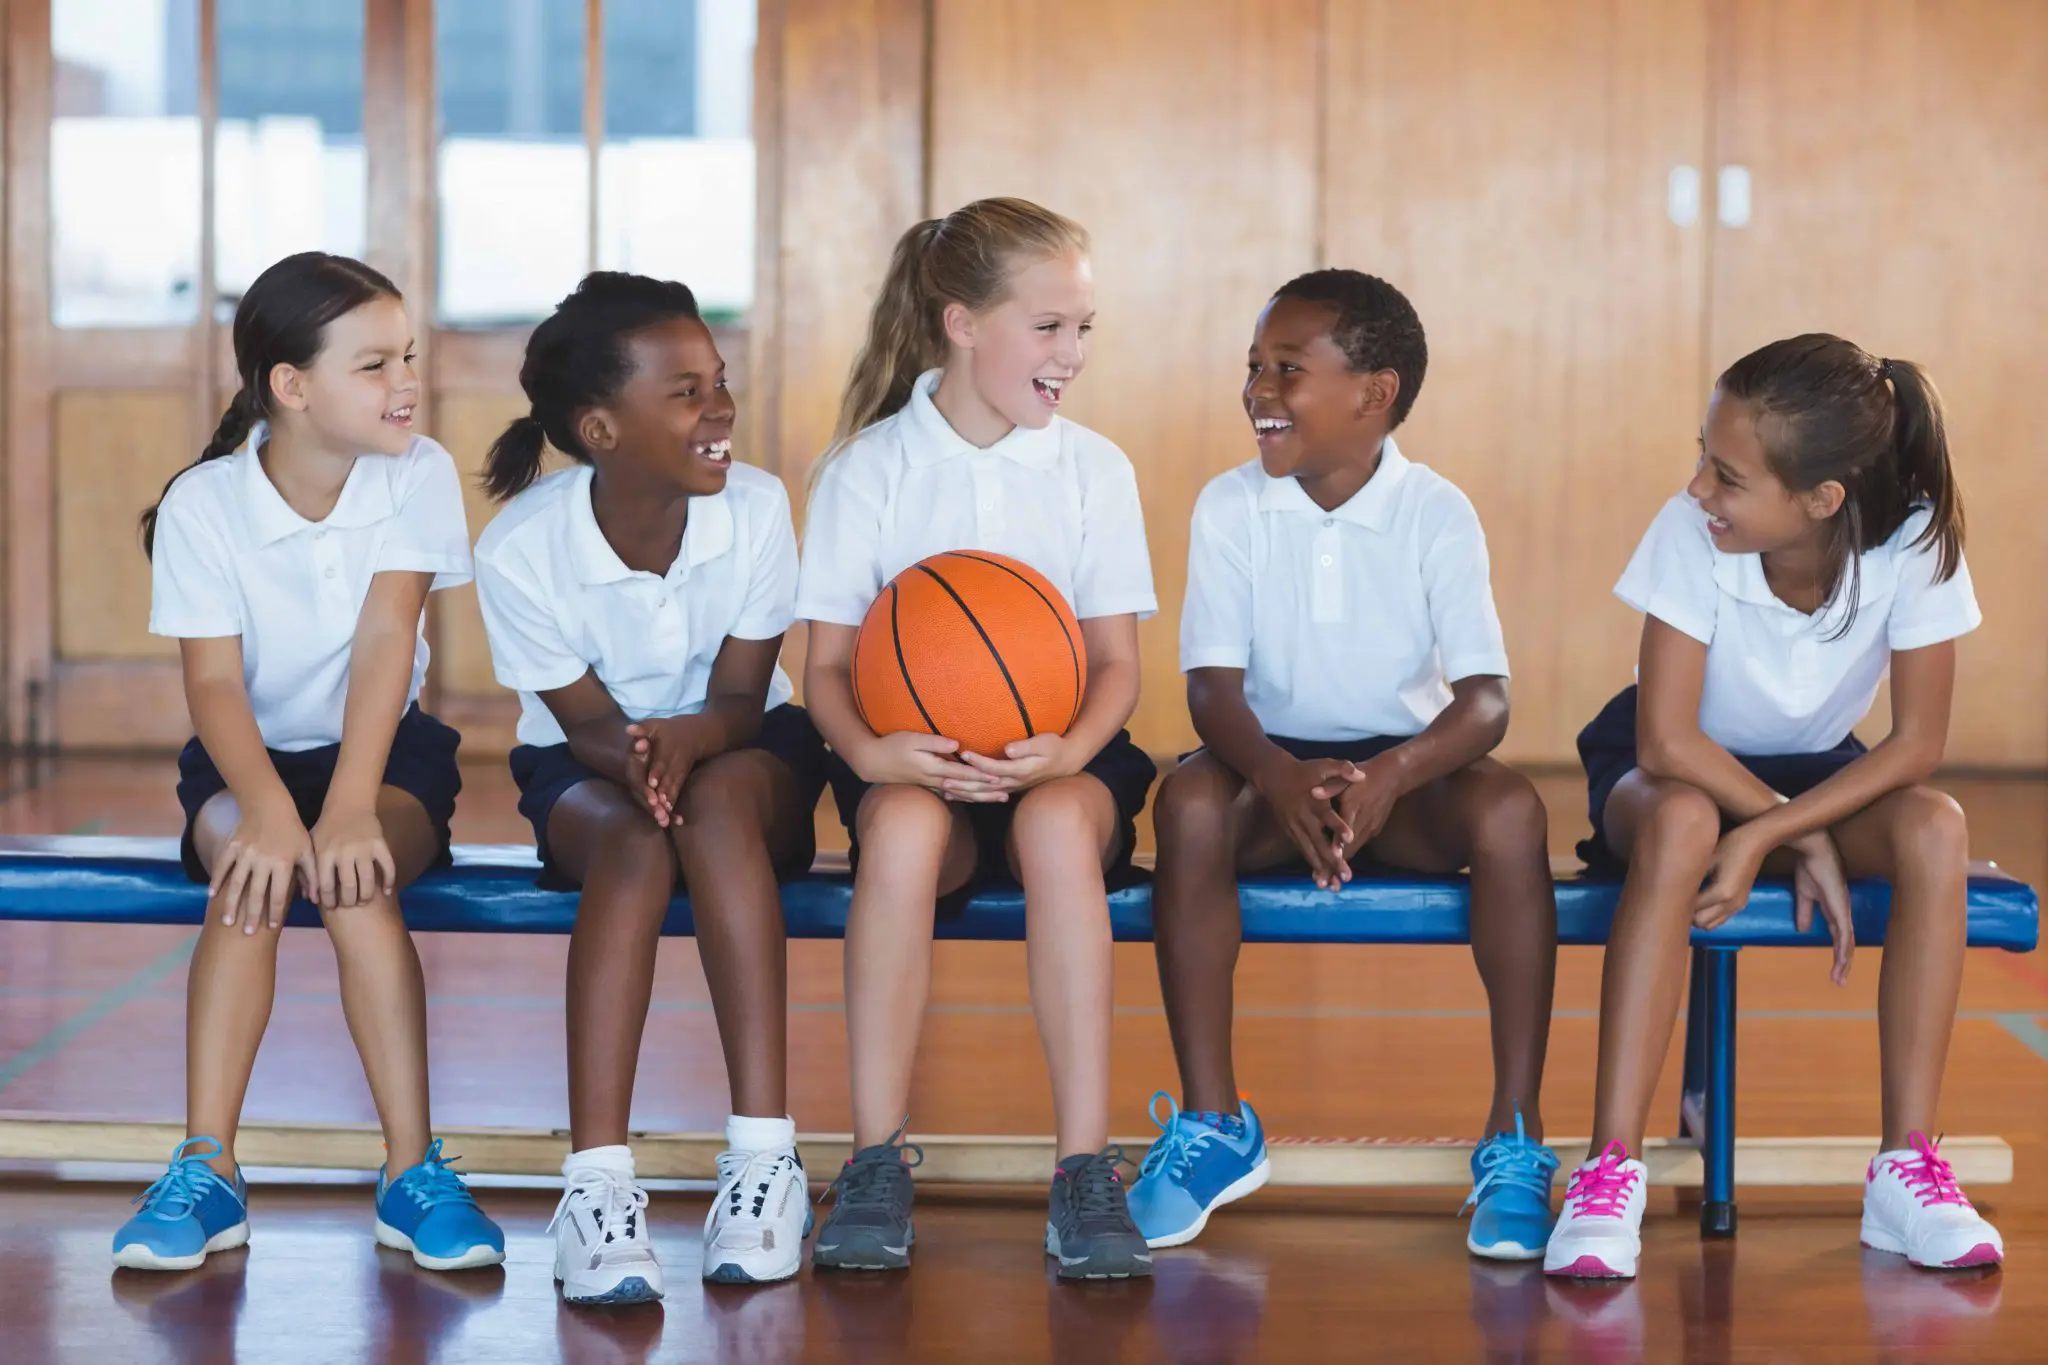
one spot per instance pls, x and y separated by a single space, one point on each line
671 421
1749 509
357 395
1313 414
1023 350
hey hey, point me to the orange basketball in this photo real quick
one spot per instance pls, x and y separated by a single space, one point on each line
973 646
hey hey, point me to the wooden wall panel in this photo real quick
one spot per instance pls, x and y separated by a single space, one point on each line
114 450
1898 160
467 424
1507 166
1182 133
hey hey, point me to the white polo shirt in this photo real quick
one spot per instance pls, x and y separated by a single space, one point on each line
1350 623
233 558
558 602
1776 682
1060 498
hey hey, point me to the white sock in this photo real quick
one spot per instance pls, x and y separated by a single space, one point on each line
618 1160
744 1134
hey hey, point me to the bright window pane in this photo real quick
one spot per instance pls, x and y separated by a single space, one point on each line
676 170
514 173
289 170
124 163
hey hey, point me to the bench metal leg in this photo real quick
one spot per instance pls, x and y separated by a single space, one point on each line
1717 1146
1692 1091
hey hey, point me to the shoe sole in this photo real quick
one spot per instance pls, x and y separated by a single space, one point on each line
732 1272
874 1257
1504 1251
473 1259
632 1289
1231 1193
1130 1265
136 1256
1982 1254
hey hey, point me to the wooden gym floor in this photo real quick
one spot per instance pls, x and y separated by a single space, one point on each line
1334 1041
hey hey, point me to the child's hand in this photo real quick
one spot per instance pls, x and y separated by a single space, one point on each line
1820 880
253 875
1026 763
668 752
643 792
908 758
1300 794
351 861
1730 877
1365 798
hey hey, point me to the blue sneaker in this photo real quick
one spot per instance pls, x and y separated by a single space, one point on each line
1193 1169
1510 1199
187 1214
429 1212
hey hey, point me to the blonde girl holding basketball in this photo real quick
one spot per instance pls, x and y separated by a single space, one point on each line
950 438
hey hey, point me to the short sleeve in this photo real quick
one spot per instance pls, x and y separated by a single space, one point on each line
193 593
1671 576
1458 588
1216 615
1114 574
770 606
841 572
528 650
1926 612
430 531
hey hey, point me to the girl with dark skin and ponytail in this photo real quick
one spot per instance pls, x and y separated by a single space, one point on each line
292 562
1818 547
637 601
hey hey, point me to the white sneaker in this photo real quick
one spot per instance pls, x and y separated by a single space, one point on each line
1600 1233
1912 1206
754 1231
603 1251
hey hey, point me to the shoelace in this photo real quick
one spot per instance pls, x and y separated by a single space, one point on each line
178 1190
434 1180
617 1202
1175 1151
871 1179
1602 1190
1929 1177
745 1178
1098 1186
1505 1160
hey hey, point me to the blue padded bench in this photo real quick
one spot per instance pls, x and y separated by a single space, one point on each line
490 889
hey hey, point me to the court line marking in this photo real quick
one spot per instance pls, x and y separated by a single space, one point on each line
136 987
2029 1031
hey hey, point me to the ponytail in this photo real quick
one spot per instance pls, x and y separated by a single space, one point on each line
967 257
1920 454
1828 410
235 425
514 461
281 320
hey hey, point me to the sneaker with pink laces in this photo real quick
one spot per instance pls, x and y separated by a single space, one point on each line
1912 1206
1600 1233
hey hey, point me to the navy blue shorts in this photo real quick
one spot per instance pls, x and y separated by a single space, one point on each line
422 765
1607 748
1122 767
544 773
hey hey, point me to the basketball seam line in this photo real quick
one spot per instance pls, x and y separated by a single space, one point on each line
903 665
1073 655
1023 712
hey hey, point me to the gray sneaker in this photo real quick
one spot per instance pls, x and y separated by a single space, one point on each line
1089 1225
869 1226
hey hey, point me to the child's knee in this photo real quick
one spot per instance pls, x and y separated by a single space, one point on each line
900 811
1193 805
1071 812
1508 817
1929 828
1678 818
723 800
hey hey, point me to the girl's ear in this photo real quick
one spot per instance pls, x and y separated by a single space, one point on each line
958 320
595 429
1377 391
1822 501
288 387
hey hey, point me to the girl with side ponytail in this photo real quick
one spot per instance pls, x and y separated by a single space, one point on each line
1818 547
636 601
950 437
292 562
